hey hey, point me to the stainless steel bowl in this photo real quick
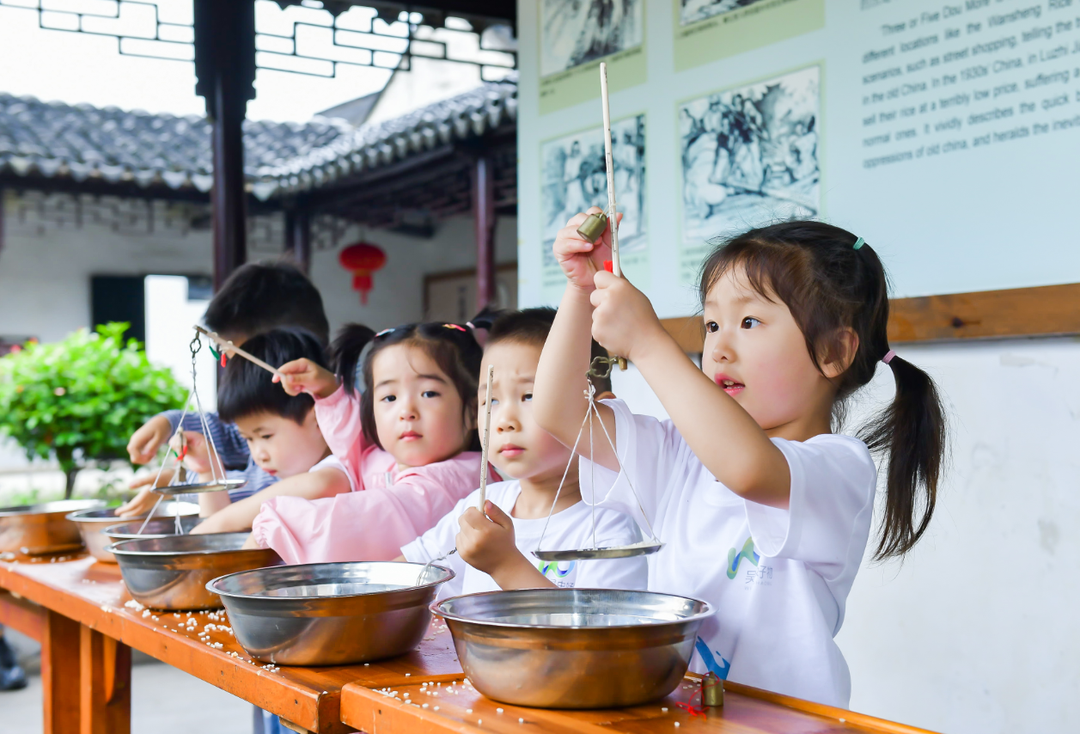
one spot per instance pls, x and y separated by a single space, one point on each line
574 648
93 523
171 572
330 613
42 528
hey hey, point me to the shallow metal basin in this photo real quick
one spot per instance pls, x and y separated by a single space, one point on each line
42 528
574 648
171 572
330 613
93 523
156 528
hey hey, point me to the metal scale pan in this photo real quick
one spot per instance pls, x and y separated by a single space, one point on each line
644 548
218 485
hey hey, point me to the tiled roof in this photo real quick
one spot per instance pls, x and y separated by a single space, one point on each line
83 142
369 146
79 141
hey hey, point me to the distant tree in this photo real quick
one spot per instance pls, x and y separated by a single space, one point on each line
79 400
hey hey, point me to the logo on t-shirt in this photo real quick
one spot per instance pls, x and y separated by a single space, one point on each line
556 570
735 558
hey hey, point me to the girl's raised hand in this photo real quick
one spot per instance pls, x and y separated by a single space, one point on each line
623 320
579 258
304 376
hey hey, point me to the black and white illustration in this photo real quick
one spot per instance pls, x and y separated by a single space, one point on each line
575 178
575 32
691 11
750 155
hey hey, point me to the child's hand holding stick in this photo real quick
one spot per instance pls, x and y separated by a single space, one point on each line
304 376
623 320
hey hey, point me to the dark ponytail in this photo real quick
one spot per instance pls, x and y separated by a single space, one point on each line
831 281
911 433
345 352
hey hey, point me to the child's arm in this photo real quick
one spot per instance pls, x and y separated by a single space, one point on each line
558 402
336 410
370 525
488 545
724 437
239 516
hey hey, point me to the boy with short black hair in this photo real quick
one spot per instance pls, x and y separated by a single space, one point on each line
256 298
280 430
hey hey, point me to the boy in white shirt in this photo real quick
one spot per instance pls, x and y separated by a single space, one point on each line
495 551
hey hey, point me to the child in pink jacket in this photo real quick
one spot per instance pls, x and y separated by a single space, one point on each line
405 443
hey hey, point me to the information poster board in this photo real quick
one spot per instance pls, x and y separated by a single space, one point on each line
944 132
576 35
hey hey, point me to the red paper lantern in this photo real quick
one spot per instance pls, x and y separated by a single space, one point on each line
362 259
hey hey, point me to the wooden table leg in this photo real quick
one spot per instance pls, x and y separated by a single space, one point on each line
105 701
60 674
22 616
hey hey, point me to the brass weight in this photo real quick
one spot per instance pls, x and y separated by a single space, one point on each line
593 226
712 690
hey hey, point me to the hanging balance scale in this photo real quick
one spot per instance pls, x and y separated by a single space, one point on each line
591 229
219 481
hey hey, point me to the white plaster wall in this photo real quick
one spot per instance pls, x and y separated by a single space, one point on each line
45 280
397 296
975 631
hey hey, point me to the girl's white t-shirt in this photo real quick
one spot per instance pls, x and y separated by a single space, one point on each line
778 579
333 462
570 529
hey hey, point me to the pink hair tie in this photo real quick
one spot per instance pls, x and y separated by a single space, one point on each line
888 356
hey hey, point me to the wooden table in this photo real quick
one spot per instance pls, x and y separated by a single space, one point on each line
78 609
449 704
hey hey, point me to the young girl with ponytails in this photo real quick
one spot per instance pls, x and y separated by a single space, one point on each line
408 442
765 512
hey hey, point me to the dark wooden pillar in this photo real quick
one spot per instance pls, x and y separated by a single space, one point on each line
483 199
227 196
225 68
298 237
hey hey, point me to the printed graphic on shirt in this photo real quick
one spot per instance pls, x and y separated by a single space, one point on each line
721 669
735 557
556 570
759 574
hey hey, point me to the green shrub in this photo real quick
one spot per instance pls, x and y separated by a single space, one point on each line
79 400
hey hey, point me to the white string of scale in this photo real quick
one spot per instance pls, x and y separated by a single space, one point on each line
591 229
219 481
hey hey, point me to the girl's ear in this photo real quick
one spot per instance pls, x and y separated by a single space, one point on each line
843 347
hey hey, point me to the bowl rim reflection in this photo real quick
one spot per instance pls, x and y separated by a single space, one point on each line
436 607
109 532
116 550
42 508
211 585
186 508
